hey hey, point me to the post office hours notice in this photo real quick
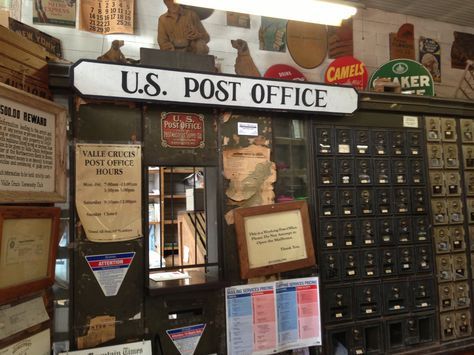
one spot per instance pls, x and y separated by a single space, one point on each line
95 79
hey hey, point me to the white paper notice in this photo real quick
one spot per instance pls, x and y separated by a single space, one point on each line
247 129
251 319
27 148
139 347
22 316
38 344
108 191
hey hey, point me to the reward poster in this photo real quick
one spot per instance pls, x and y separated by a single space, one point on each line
108 191
107 16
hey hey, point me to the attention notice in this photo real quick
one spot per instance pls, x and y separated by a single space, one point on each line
27 148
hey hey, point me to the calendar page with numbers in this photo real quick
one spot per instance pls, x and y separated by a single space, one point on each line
107 16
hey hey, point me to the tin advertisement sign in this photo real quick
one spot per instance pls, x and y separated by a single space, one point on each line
430 57
412 77
347 70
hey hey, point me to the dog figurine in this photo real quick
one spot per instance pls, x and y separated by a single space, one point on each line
114 54
244 64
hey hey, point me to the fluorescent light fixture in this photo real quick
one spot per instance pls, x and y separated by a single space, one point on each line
313 11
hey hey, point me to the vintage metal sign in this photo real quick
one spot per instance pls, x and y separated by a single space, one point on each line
94 79
347 70
182 130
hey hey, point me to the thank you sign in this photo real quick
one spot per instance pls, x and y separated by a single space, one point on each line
96 79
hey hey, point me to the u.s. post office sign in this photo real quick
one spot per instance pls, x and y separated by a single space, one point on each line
127 82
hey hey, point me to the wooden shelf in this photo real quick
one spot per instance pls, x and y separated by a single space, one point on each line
170 221
154 195
154 222
175 196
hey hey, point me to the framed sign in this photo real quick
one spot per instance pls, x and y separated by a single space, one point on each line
273 238
32 148
28 245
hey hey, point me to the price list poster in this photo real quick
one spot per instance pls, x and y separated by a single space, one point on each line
107 16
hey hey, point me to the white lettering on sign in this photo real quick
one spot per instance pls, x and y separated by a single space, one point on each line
151 84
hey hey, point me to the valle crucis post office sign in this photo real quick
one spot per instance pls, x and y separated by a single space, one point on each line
99 80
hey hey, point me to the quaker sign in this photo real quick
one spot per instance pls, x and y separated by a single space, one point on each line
413 77
96 80
182 130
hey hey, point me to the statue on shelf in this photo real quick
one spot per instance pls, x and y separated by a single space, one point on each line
180 29
244 64
115 55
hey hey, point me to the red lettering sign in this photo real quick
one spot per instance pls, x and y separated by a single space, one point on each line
347 70
182 130
284 72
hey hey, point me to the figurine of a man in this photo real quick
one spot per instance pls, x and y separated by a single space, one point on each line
180 29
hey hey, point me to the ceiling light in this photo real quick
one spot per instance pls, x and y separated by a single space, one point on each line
313 11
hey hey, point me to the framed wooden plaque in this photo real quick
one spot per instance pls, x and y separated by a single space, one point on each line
273 238
28 244
32 148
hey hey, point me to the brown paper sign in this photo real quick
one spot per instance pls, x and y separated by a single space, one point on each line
107 16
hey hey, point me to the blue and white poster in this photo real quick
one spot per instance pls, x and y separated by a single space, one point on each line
186 339
110 270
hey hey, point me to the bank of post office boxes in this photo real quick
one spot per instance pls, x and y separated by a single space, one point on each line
350 233
402 200
362 142
427 327
329 234
395 334
469 182
403 230
400 171
416 172
386 231
461 295
439 209
448 130
444 268
368 232
397 143
362 339
383 201
406 260
456 237
460 268
396 297
328 204
350 265
364 172
421 229
345 171
447 326
467 127
435 156
347 202
368 300
414 142
446 297
470 210
451 156
325 140
339 302
463 323
455 213
388 261
419 200
382 172
327 172
423 259
370 263
442 240
344 141
453 183
381 142
468 156
423 294
433 129
437 184
331 267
